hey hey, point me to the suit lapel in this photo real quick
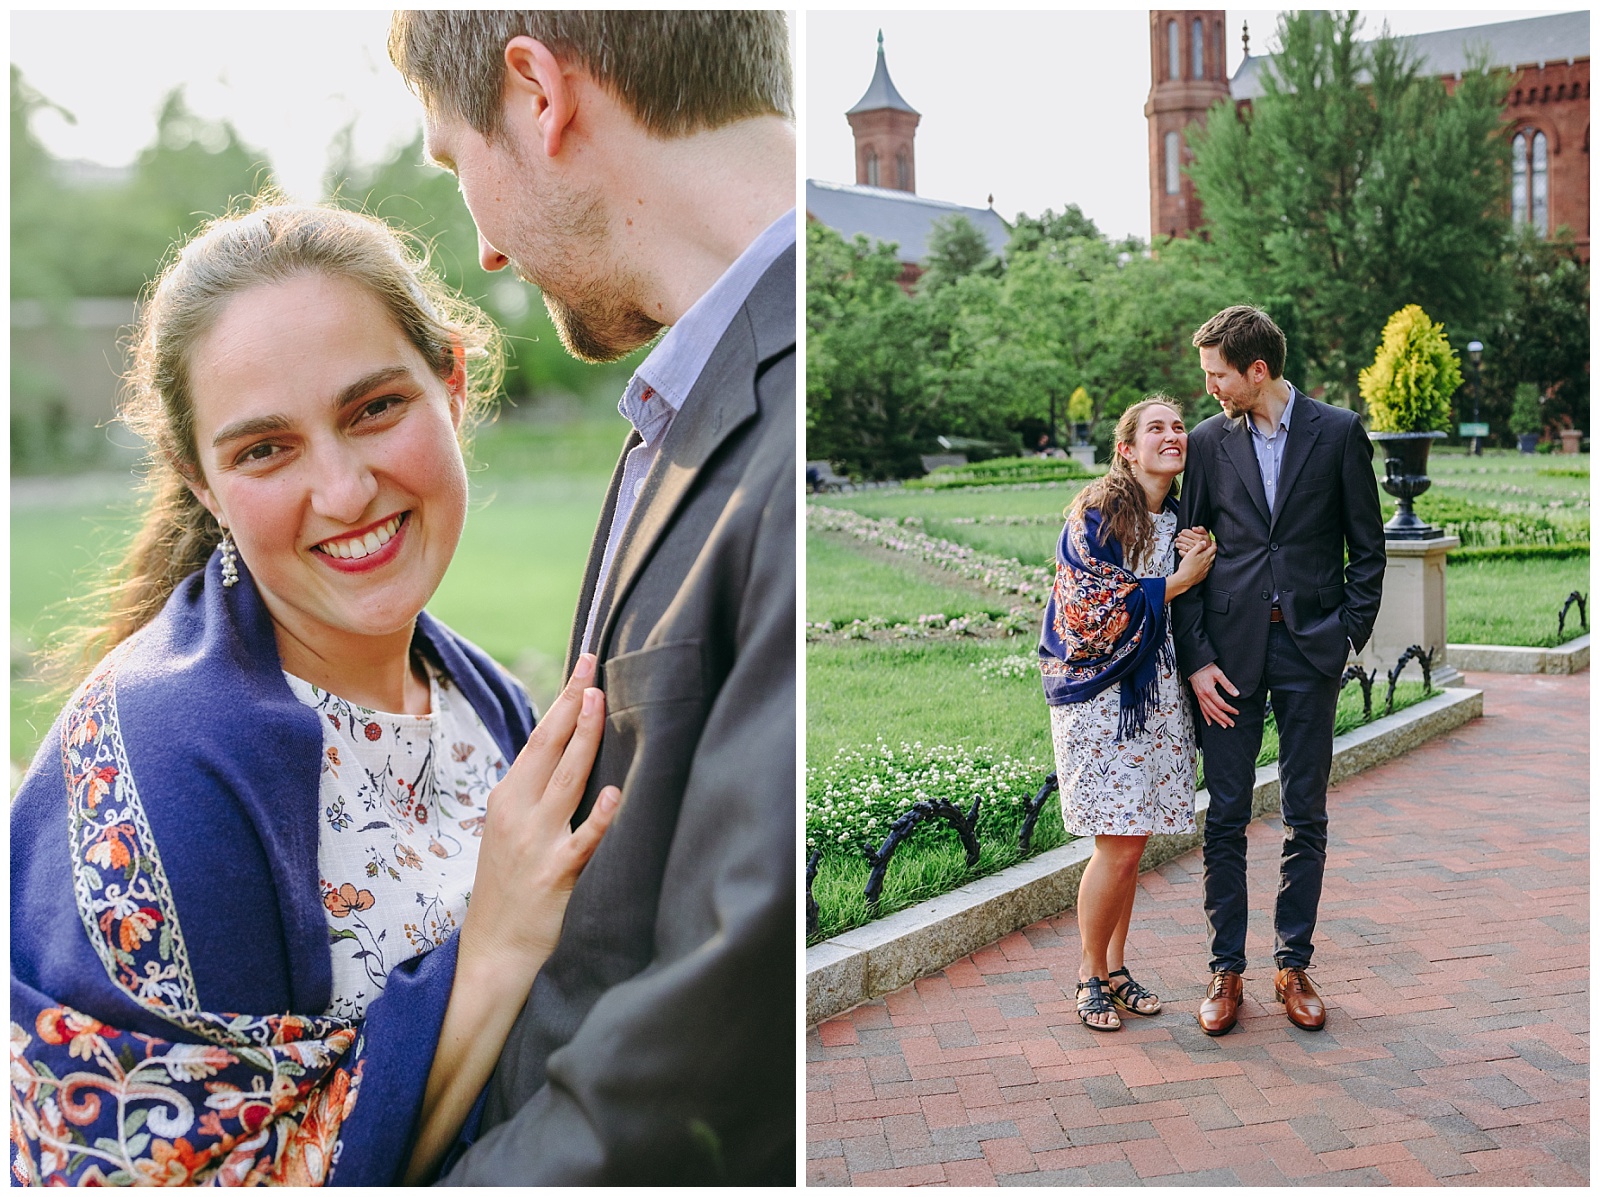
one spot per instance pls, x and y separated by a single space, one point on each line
597 553
1304 428
723 399
1236 443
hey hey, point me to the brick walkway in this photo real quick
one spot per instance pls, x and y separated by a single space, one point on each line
1452 949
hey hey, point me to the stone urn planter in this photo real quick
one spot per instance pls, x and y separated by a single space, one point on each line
1080 433
1527 442
1405 476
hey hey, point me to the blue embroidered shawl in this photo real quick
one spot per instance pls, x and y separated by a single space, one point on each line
169 946
1103 626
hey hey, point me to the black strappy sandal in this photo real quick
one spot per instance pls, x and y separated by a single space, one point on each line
1130 993
1098 1002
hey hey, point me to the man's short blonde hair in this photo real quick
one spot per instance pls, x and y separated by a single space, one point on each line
679 71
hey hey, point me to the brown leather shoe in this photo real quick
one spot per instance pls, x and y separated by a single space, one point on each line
1300 1001
1220 1010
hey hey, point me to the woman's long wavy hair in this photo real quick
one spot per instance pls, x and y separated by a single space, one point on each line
1117 496
270 242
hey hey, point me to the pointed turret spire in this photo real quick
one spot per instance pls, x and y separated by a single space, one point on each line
1245 33
881 92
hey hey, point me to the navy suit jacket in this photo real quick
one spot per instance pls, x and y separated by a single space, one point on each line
1320 549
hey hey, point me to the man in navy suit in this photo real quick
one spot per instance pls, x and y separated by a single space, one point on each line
1286 486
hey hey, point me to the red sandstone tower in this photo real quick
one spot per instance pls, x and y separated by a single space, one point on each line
1188 73
885 127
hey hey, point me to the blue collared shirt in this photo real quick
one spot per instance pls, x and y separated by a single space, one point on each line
1269 450
660 386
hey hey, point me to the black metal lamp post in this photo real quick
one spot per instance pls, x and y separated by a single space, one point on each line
1475 353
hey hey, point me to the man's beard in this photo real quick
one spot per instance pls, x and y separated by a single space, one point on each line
602 329
588 298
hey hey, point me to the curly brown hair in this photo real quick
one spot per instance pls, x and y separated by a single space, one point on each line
1117 495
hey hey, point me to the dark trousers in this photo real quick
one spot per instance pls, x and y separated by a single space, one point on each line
1303 703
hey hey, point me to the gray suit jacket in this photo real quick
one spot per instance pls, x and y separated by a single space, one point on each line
1327 508
658 1043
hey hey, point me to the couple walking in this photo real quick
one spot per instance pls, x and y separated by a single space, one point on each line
242 948
1257 580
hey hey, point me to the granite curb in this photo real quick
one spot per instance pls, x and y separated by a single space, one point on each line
879 958
1571 657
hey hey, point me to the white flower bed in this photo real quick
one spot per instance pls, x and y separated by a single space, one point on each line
1015 665
856 797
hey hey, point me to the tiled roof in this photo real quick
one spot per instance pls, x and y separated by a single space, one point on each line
1529 42
895 216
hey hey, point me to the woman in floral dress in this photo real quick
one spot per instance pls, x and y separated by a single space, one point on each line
1120 720
241 945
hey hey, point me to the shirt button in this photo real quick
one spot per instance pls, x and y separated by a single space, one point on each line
638 489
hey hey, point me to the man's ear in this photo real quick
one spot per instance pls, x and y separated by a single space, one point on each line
534 82
1259 376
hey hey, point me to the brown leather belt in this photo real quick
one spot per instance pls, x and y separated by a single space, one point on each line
1277 613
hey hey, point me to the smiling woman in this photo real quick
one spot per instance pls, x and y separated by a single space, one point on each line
276 782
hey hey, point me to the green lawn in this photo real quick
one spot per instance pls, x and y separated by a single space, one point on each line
537 488
1513 602
843 584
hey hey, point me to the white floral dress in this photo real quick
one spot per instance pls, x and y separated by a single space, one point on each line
402 800
1142 785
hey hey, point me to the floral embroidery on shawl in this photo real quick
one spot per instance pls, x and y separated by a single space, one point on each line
261 1099
1101 627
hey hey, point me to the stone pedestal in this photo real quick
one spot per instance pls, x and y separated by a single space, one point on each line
1413 610
1082 454
1571 440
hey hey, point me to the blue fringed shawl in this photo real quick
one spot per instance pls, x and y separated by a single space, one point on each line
1103 626
169 946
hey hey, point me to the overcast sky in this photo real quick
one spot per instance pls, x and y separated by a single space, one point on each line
287 80
1039 109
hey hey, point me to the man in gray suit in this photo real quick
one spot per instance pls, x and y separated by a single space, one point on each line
1286 486
639 167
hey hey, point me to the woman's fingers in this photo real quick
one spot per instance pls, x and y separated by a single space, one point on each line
587 838
530 773
571 772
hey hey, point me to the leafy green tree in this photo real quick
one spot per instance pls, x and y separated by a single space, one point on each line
955 249
1354 183
866 406
1028 232
1542 334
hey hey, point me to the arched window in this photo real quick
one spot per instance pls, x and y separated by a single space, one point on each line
1172 49
1540 217
1172 163
1530 181
1197 51
872 167
902 167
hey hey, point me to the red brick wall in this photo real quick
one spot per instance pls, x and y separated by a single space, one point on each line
1554 100
888 131
1174 103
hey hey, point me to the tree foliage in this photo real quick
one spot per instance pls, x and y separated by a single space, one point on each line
1541 335
956 249
1355 183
